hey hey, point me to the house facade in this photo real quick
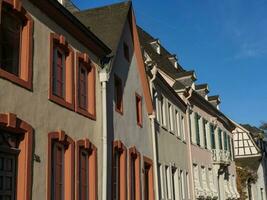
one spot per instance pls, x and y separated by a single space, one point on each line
94 107
249 154
49 118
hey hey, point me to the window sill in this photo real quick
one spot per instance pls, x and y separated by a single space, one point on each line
15 79
61 101
85 113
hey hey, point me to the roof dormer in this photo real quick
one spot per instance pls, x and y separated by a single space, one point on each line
156 45
173 60
203 90
215 101
187 78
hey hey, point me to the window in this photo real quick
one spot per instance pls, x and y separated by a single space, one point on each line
220 139
9 151
168 181
178 125
188 185
61 72
126 52
225 139
119 171
118 95
197 117
161 169
139 111
212 136
182 189
15 157
175 185
85 86
86 170
163 112
205 133
148 179
182 127
60 166
16 44
134 160
170 117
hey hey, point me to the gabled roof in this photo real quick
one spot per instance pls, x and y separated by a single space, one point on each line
106 22
244 145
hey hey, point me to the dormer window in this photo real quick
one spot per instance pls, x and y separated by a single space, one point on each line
156 46
173 60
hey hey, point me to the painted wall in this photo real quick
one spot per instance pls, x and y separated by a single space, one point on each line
42 114
172 150
124 126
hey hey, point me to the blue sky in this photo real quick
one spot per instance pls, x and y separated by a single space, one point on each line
225 42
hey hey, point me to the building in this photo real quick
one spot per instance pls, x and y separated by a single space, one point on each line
129 104
171 126
49 119
249 152
94 107
208 151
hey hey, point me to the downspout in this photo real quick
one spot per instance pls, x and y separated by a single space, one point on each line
153 132
189 146
103 77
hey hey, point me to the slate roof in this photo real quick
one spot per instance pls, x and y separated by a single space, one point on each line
161 59
106 22
201 86
214 98
178 86
254 131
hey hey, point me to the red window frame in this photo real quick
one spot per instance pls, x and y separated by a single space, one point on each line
65 96
13 124
134 175
85 87
86 174
139 110
118 94
148 185
24 78
61 140
119 176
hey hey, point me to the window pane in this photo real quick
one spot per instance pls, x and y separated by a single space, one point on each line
83 91
10 34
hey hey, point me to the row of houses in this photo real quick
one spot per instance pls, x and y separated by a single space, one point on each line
94 107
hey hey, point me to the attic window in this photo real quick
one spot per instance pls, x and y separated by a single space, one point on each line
156 46
173 60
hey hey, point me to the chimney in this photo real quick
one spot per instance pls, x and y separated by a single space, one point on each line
203 90
215 101
187 78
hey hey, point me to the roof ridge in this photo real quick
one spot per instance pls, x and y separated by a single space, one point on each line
126 3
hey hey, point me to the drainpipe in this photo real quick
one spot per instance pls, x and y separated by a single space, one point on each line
189 106
153 132
103 77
